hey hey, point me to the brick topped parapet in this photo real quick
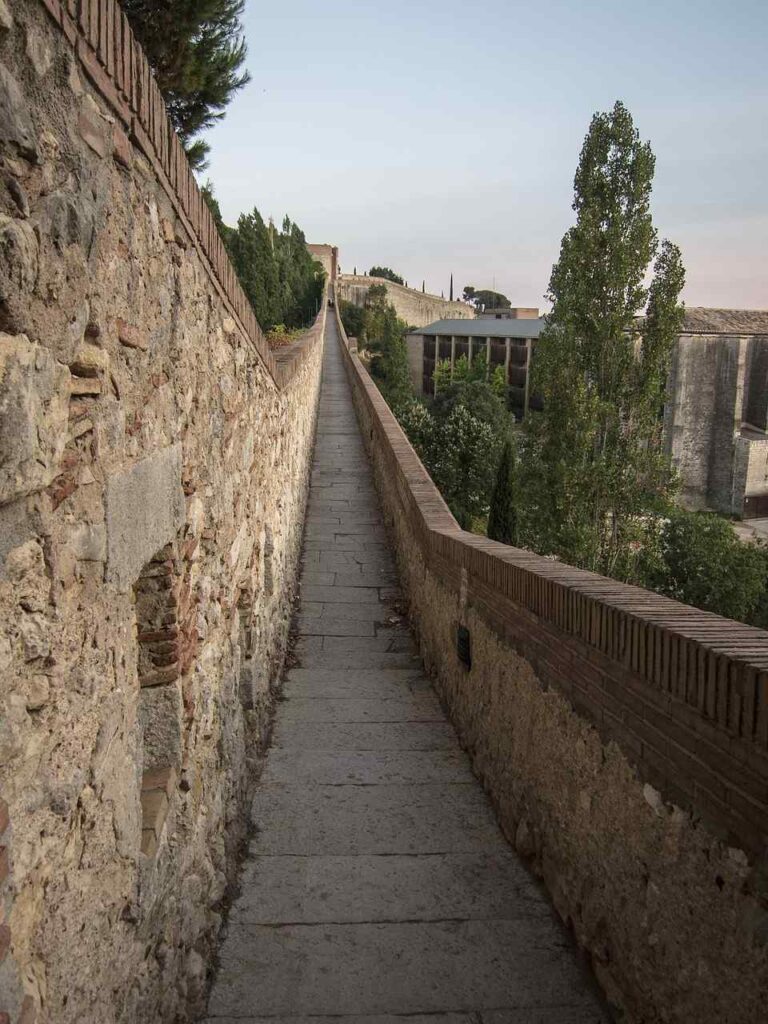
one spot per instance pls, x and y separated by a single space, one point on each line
683 692
115 64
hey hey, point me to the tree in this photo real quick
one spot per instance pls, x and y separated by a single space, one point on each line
450 293
196 51
353 318
213 205
300 276
461 461
256 267
385 340
704 563
593 469
502 517
484 298
385 272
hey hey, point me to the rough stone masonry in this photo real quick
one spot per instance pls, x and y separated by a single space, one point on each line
152 484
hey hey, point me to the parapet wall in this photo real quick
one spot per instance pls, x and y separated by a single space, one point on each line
623 738
417 308
154 463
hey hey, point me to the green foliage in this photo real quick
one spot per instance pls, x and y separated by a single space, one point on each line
502 517
476 395
459 438
353 318
196 51
300 276
384 339
385 272
254 260
213 205
593 469
443 375
461 459
282 281
704 563
484 298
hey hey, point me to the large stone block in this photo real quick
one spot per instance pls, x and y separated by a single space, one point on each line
145 510
34 409
160 712
16 128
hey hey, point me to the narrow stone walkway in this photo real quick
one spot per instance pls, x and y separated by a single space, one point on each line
378 887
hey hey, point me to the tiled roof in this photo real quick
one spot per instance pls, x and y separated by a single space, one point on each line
701 320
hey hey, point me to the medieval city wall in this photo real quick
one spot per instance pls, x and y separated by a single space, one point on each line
623 738
152 486
414 307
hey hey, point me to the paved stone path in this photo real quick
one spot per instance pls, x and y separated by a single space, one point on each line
378 887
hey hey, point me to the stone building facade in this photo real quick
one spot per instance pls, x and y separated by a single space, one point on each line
715 422
328 256
153 473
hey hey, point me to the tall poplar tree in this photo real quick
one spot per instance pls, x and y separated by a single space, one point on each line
593 466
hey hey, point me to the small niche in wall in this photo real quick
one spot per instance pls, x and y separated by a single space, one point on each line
245 641
464 646
269 547
160 710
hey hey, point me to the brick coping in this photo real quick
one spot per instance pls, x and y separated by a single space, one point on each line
116 66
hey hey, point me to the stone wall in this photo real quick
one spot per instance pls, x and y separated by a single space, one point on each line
717 383
153 475
623 738
416 308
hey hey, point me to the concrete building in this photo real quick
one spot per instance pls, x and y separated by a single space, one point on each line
504 343
509 313
715 421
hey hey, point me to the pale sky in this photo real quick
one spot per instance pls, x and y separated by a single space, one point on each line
435 136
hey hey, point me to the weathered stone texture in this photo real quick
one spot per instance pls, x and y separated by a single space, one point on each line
145 509
718 384
152 485
667 898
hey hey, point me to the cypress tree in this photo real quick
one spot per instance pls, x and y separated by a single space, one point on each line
502 517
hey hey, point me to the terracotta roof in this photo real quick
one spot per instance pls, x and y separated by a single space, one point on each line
701 320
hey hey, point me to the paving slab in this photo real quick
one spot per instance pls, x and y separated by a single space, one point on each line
346 736
421 967
405 708
325 684
378 887
288 765
326 890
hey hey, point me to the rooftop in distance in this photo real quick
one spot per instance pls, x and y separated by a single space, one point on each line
484 328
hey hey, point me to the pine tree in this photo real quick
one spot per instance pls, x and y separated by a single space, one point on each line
196 51
451 291
592 462
502 517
